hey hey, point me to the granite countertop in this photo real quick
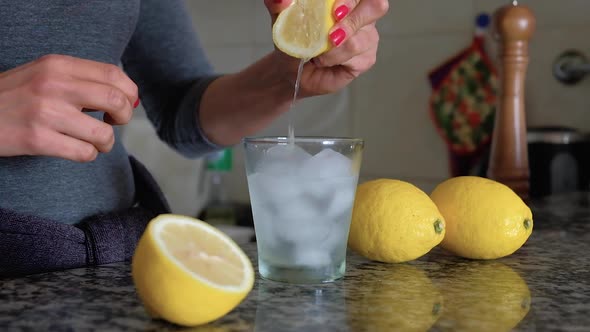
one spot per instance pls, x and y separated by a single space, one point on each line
544 286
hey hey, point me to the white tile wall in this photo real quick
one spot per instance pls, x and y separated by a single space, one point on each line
390 108
550 102
549 13
388 105
419 18
222 23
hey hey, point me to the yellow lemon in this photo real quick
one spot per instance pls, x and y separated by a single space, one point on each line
393 221
403 299
188 272
485 219
301 30
483 296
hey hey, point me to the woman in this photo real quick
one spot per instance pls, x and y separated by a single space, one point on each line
70 195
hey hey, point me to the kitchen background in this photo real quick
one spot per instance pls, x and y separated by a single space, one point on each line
387 106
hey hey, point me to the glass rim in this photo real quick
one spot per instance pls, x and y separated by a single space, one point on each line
301 139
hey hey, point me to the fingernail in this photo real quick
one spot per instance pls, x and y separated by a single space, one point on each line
341 12
136 103
277 1
337 36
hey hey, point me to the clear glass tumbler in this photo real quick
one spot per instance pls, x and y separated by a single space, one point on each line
302 195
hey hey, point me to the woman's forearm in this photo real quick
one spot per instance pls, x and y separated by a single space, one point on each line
241 104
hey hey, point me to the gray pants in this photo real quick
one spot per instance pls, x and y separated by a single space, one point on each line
29 244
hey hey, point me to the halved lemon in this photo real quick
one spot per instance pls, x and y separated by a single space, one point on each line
301 30
188 272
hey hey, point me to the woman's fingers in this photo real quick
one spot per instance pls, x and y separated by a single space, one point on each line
364 40
50 143
83 127
89 84
92 71
42 101
97 96
362 62
343 7
361 13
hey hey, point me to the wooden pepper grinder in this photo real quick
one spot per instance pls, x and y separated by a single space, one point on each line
514 25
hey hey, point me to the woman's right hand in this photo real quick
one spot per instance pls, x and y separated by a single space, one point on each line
41 106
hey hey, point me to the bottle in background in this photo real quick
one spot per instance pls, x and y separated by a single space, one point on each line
219 210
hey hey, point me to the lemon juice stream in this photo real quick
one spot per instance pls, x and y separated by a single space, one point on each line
295 93
302 193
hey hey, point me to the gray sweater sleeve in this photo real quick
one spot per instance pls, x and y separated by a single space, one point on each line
165 59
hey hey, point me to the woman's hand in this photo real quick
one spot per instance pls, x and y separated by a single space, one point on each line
355 40
242 104
41 106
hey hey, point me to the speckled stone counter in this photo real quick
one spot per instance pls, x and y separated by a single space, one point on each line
545 286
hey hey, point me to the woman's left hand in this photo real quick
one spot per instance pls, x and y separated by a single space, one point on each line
355 40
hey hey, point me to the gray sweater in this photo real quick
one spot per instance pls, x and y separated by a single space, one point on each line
155 43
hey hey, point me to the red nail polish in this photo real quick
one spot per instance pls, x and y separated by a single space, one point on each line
337 36
277 1
341 12
136 103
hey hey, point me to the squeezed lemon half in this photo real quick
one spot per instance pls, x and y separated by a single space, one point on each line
302 29
188 272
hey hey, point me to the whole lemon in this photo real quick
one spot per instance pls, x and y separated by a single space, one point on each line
484 218
393 221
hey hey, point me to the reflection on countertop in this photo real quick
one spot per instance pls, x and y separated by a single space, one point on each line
544 286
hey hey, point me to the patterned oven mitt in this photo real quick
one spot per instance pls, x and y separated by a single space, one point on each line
463 104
